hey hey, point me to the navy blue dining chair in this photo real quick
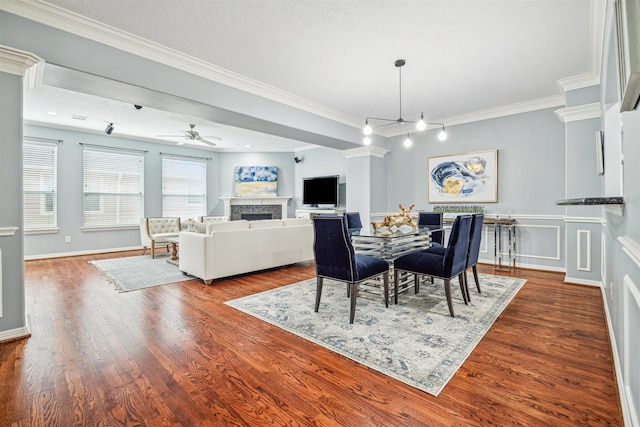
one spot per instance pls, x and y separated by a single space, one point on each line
474 250
443 264
336 259
353 220
433 219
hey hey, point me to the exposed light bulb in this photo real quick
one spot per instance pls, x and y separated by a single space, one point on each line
442 135
366 140
407 142
421 125
367 129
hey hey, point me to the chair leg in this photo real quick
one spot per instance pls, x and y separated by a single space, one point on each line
318 292
354 295
144 251
153 249
465 283
395 286
416 283
475 276
385 279
464 293
447 291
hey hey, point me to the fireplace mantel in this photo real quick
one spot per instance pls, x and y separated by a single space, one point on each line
229 201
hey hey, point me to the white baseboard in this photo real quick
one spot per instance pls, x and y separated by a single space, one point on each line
575 280
529 266
617 364
77 253
17 333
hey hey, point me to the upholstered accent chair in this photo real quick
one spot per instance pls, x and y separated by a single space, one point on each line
154 231
437 263
433 219
336 259
353 220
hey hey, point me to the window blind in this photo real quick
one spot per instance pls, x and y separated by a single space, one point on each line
113 187
40 199
184 187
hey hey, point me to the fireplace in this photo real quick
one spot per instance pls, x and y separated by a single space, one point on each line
255 212
234 207
256 216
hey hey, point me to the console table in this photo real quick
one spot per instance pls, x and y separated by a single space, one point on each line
507 225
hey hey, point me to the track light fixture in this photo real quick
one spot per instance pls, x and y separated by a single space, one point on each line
420 124
109 129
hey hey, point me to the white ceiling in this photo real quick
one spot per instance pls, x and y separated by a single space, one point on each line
463 56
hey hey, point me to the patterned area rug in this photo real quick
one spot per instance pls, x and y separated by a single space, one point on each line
416 341
139 272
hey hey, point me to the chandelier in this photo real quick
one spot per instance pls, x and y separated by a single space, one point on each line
420 124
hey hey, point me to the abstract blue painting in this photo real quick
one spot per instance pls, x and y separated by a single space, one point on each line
256 181
465 178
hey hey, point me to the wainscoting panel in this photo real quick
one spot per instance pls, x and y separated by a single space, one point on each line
549 235
631 301
583 238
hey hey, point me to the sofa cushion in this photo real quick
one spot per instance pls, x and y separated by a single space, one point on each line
296 221
265 223
242 224
200 227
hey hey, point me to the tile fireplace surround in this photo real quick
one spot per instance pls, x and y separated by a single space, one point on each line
234 207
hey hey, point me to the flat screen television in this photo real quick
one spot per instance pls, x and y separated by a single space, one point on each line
320 190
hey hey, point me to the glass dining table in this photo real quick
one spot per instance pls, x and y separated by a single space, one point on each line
390 244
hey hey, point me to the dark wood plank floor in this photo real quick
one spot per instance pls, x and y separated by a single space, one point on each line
176 355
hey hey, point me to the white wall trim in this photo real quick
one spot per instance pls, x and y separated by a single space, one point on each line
586 234
529 266
367 151
78 253
14 334
578 281
631 294
8 231
584 219
631 248
555 257
21 63
617 363
579 112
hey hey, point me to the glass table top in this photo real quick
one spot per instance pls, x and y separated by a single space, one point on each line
386 233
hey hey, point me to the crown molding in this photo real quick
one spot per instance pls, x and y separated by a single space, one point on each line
579 112
73 23
368 151
23 64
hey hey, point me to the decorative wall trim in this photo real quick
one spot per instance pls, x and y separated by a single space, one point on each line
631 248
88 252
8 231
583 236
584 219
630 301
555 257
15 334
368 151
579 112
18 62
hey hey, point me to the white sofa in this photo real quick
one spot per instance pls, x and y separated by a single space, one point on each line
221 249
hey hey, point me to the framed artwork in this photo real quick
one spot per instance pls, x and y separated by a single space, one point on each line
255 181
463 178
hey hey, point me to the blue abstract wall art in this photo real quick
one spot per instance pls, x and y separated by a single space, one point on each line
255 181
465 178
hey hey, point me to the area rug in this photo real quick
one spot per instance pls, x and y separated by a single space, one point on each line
416 341
139 272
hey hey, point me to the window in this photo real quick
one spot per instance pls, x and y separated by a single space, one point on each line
113 187
40 161
184 187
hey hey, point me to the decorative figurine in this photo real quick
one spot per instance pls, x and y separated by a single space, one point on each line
403 217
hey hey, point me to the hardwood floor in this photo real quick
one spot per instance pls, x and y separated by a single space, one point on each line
176 355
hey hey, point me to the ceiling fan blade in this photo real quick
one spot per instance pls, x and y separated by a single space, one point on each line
212 144
182 142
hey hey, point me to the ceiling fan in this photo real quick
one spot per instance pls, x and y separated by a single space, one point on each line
192 135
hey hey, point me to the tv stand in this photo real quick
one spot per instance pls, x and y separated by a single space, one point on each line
311 212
